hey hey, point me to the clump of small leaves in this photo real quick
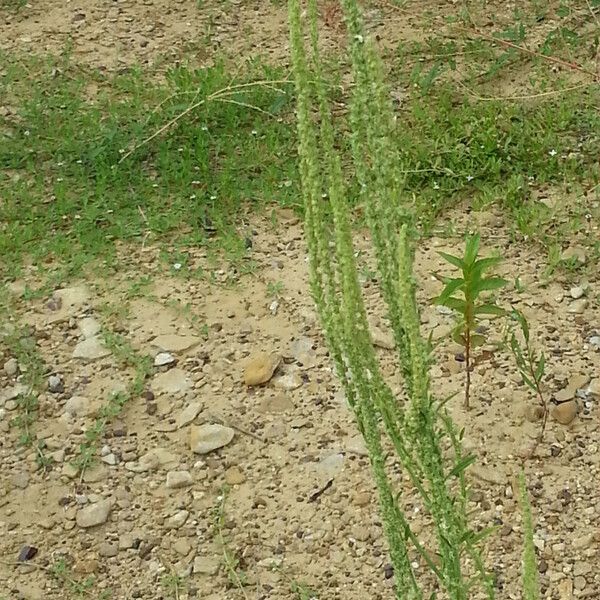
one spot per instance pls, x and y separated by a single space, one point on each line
531 366
463 295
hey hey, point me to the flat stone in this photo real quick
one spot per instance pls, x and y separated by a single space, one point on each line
209 437
55 384
206 565
95 474
279 403
11 367
330 466
90 349
20 480
260 368
594 388
303 352
574 253
94 514
177 520
89 327
577 292
78 406
234 476
108 550
382 339
176 343
178 479
188 414
162 359
595 342
67 302
172 382
564 395
565 412
288 381
181 546
577 306
152 460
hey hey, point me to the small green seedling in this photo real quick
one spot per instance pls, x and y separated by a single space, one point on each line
531 365
471 285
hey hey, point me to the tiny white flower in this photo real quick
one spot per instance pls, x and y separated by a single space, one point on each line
470 177
204 128
60 164
359 38
553 152
193 197
436 185
254 132
27 133
213 197
177 266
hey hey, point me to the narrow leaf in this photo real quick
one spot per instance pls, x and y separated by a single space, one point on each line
453 260
489 309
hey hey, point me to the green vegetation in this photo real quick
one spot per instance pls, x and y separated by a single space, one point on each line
471 285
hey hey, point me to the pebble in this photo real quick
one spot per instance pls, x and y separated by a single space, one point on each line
94 514
162 359
279 403
564 395
109 459
577 292
172 382
330 466
177 520
362 498
78 406
565 412
206 565
209 437
188 414
302 351
234 476
288 382
176 343
20 480
360 533
90 349
260 368
55 384
182 546
11 367
108 550
178 479
577 306
595 342
89 327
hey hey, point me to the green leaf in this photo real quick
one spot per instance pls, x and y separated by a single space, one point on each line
477 340
451 286
539 371
483 264
522 321
489 284
453 260
461 466
489 309
471 249
456 304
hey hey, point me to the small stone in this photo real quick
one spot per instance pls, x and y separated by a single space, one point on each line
27 553
94 514
595 342
234 476
206 565
20 480
585 541
109 459
577 292
577 306
108 550
162 359
362 498
356 445
126 542
55 384
178 479
565 589
330 466
279 403
381 339
360 533
534 413
288 382
90 349
172 382
209 437
260 368
182 547
11 367
85 566
564 395
78 406
89 327
594 388
151 460
574 253
565 413
177 520
176 343
188 414
95 474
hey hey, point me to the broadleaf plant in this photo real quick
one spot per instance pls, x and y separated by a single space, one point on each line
471 285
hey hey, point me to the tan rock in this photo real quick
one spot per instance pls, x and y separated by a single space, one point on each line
234 476
260 368
565 413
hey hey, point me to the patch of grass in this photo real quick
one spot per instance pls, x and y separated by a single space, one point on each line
67 195
22 346
12 5
125 354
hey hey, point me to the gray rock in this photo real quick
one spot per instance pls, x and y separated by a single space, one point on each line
89 327
55 384
78 406
177 520
206 565
94 514
172 382
162 359
595 342
20 480
152 460
109 459
302 350
577 292
90 349
577 306
209 437
176 343
188 414
11 367
329 467
178 479
288 381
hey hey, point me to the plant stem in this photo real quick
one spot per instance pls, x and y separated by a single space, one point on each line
468 364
